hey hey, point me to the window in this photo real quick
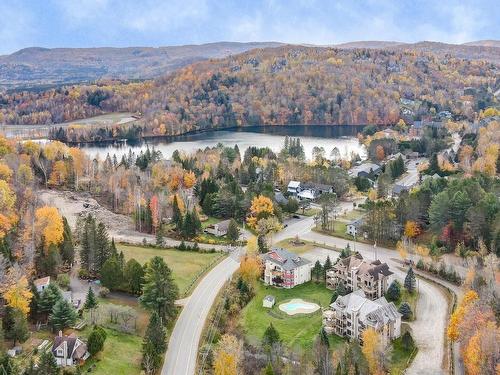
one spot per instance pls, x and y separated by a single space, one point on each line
59 352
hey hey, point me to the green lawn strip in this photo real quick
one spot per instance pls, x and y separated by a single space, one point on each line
310 211
400 357
302 248
185 265
210 220
299 330
121 354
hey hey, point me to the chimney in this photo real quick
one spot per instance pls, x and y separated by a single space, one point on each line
60 333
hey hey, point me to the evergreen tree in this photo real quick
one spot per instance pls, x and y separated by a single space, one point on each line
112 273
15 325
405 310
49 297
317 271
233 232
133 276
393 292
327 266
151 360
187 227
156 333
91 301
63 315
103 250
159 290
48 365
88 245
269 369
196 222
35 300
112 248
67 249
159 236
410 281
335 295
95 342
341 289
407 341
176 214
324 337
271 336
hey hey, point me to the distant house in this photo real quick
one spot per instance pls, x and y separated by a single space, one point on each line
350 315
390 133
354 227
356 273
293 188
69 350
218 229
268 302
280 198
285 269
313 190
41 284
365 170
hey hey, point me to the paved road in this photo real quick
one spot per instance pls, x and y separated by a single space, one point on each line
184 341
428 330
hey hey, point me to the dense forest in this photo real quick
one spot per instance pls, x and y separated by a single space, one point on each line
275 86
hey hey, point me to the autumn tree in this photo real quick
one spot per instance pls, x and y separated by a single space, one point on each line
373 351
18 295
228 355
412 229
261 207
250 268
49 224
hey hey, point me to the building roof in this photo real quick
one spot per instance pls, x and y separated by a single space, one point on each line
377 313
223 225
269 298
280 198
287 260
307 194
365 167
43 281
357 222
374 269
293 184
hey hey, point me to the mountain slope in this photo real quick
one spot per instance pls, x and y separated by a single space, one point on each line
36 66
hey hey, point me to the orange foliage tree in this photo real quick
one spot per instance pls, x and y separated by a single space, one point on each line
412 229
261 207
189 179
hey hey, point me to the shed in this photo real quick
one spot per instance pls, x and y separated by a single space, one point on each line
268 301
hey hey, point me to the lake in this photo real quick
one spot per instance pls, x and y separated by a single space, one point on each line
328 137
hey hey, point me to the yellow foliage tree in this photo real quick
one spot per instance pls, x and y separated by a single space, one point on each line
412 229
472 355
250 268
189 179
18 295
49 223
227 356
261 207
453 330
403 253
59 174
252 246
372 350
5 172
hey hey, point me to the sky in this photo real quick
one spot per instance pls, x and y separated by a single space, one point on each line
123 23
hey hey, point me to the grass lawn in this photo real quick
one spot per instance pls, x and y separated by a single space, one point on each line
185 265
310 211
121 354
352 215
301 249
295 331
400 357
410 298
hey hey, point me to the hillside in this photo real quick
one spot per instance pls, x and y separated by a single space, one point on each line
32 67
274 86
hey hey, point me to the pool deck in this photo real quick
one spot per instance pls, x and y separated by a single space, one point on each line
306 308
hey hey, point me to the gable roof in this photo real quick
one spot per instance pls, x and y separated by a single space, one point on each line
374 269
42 281
293 184
76 348
287 260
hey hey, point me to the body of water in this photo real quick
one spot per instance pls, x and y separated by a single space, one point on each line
328 137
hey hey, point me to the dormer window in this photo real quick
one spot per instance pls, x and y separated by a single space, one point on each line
60 352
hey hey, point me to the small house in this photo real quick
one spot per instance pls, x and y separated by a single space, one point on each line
354 227
365 170
218 229
41 284
268 302
293 188
69 350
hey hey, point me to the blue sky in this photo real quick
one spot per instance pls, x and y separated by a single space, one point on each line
119 23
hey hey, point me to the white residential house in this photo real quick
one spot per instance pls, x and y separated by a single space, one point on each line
69 350
41 284
285 269
218 229
355 273
313 190
350 315
354 227
293 188
365 170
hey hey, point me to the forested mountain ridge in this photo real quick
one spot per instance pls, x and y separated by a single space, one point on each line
35 66
276 86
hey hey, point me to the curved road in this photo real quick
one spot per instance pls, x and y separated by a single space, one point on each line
183 345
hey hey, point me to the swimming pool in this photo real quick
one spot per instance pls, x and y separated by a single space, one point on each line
298 306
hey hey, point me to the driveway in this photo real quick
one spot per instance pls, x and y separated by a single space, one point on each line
432 307
183 345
